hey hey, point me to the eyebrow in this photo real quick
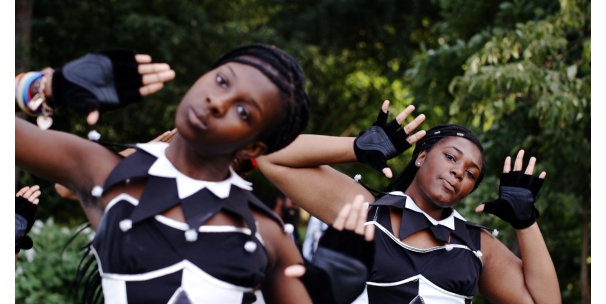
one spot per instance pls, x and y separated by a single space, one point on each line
461 152
231 70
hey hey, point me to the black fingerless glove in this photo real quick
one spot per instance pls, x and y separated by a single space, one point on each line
25 216
104 80
340 268
517 195
381 142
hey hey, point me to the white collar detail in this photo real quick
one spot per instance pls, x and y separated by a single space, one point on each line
186 185
447 222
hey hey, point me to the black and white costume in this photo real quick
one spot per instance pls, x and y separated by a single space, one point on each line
144 257
405 274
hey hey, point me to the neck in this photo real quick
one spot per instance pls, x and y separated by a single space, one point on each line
424 202
193 164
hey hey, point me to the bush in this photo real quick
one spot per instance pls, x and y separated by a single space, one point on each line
46 272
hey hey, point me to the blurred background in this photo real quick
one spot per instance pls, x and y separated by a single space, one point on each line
516 72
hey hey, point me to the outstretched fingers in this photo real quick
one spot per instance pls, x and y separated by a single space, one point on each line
22 190
517 166
400 118
530 168
158 77
31 194
353 217
385 106
150 88
154 74
142 58
507 165
415 137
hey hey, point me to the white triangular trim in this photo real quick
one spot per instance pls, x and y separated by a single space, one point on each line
426 281
121 197
186 185
447 222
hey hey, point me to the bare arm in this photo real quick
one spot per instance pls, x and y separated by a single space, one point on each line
61 157
531 279
509 279
282 252
300 171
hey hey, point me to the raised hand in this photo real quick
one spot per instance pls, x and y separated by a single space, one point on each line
343 261
517 194
26 206
384 141
106 80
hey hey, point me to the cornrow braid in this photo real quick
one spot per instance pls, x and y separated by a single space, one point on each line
288 77
431 138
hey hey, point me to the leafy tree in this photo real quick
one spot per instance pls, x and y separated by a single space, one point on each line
528 86
517 72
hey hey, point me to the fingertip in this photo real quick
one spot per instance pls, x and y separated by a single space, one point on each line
480 208
142 58
92 117
387 172
542 175
385 106
369 233
294 271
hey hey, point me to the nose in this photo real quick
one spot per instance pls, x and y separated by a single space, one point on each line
218 104
457 172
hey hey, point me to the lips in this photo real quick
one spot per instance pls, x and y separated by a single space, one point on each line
197 119
448 185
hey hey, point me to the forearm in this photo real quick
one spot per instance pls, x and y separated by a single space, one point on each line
539 272
300 171
312 151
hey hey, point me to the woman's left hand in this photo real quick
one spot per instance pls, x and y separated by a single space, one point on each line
517 194
345 254
384 141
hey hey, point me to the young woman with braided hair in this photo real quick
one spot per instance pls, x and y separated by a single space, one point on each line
426 252
173 222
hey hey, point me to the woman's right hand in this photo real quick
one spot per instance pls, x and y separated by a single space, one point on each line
385 141
105 80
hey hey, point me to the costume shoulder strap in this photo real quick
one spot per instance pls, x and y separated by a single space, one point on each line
133 166
260 206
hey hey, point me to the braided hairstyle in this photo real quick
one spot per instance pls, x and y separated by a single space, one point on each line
431 138
287 75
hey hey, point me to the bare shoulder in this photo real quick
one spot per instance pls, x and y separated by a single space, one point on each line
273 235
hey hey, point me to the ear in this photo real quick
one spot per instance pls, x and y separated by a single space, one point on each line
420 158
252 150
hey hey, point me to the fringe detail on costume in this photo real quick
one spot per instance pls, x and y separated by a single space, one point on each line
86 287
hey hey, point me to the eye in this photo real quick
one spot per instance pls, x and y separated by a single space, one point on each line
471 175
450 157
221 81
242 112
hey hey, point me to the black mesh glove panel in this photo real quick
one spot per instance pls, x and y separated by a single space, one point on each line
104 80
25 215
340 268
517 195
381 142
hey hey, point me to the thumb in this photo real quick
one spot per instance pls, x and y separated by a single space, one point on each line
294 271
92 117
387 172
480 208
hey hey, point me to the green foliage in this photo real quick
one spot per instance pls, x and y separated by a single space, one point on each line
517 72
45 273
